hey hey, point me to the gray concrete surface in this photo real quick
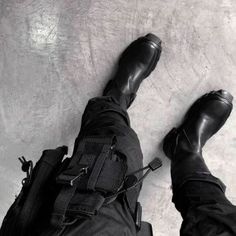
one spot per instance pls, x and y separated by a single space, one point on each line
56 54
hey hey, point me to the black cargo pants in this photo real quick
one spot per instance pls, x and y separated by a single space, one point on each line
104 118
199 198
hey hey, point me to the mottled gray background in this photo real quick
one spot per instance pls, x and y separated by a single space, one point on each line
56 54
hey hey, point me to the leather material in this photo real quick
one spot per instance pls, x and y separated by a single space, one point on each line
135 64
205 117
183 145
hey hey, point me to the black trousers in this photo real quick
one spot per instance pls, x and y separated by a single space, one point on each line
104 118
200 198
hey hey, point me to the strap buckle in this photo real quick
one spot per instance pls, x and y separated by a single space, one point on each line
72 175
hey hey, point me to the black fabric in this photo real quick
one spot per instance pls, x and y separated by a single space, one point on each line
146 229
87 204
199 197
93 175
104 118
112 219
204 207
29 207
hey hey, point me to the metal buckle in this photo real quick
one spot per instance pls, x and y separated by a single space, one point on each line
69 178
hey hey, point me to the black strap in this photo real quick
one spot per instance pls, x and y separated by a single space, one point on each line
63 200
87 201
86 188
60 206
97 167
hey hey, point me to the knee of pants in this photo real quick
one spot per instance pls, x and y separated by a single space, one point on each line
102 118
102 109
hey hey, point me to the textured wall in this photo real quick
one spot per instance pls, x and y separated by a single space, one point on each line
56 54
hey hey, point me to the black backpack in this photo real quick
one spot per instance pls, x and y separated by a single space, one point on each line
41 195
38 193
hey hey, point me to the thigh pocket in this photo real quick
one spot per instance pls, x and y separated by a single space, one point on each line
96 172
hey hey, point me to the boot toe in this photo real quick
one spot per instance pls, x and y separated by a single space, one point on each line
225 94
153 38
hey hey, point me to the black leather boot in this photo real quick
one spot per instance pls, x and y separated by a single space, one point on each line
135 64
184 145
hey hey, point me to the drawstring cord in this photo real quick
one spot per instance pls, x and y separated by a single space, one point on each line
132 181
27 166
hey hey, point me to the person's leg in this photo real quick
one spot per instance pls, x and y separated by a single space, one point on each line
107 115
197 194
104 118
106 150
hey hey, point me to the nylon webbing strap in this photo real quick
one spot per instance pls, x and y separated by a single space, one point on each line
60 206
97 167
88 204
63 199
85 205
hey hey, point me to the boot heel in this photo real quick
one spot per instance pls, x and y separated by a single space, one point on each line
168 142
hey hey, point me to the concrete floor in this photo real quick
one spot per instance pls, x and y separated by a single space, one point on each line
56 54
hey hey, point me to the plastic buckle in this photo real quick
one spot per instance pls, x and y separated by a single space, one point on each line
68 177
155 164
